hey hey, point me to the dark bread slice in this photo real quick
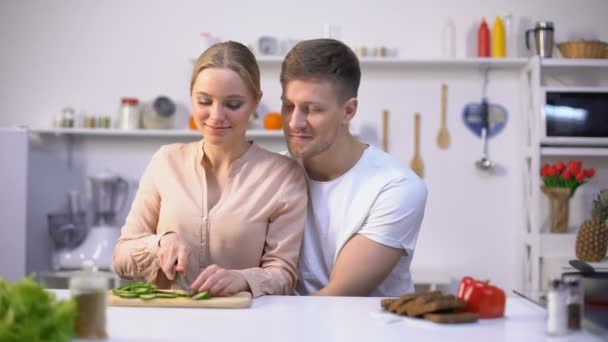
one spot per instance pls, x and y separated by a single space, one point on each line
422 298
386 303
420 307
452 317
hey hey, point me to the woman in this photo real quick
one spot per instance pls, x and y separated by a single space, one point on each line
224 211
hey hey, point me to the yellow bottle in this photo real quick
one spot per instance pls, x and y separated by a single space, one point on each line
498 39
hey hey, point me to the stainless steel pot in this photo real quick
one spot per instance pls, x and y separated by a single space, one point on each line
595 292
594 284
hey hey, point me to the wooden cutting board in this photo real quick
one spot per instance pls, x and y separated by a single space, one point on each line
239 300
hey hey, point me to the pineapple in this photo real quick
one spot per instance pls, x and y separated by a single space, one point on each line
592 238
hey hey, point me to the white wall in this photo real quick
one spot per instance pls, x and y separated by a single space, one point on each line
13 203
89 54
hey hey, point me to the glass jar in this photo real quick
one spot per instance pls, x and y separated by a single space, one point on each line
557 319
88 288
129 116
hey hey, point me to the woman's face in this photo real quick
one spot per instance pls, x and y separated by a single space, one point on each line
222 105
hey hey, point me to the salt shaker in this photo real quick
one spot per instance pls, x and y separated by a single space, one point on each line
88 289
557 319
574 301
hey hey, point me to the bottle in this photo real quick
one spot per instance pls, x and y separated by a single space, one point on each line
448 47
498 39
510 37
574 302
88 289
557 320
483 39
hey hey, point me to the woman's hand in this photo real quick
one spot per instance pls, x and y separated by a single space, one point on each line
173 254
219 282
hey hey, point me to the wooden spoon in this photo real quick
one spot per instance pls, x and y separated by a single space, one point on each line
416 163
443 137
385 130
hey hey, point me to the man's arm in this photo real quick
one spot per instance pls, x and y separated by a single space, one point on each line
361 266
389 232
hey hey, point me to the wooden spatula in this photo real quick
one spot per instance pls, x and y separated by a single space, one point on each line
416 164
385 130
443 137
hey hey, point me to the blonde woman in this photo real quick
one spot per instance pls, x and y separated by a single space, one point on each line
224 211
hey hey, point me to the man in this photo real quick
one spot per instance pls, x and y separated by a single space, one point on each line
365 208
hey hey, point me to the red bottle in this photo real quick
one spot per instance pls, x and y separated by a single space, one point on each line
483 39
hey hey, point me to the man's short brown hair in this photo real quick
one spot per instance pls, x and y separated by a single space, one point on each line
323 59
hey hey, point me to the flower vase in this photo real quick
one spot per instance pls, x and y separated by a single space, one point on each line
559 201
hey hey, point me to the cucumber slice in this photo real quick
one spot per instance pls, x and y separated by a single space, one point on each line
125 294
142 290
163 295
201 296
148 296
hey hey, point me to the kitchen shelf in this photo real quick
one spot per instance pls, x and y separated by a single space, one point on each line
157 133
493 63
554 245
574 63
574 151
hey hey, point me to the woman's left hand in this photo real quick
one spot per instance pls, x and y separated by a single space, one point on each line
219 282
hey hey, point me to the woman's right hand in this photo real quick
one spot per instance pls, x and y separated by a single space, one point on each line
173 254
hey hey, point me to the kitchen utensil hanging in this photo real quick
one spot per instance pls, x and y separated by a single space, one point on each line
443 136
385 130
416 163
485 120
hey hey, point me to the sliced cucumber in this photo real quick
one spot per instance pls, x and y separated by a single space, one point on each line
201 296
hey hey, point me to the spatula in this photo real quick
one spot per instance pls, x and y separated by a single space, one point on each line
385 130
443 137
416 164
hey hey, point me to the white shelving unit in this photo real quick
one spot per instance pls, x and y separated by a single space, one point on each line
473 63
542 249
152 133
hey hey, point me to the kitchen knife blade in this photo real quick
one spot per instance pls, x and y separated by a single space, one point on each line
181 282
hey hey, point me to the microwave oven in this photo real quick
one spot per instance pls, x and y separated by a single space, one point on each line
574 117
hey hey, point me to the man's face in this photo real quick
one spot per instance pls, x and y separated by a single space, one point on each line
313 116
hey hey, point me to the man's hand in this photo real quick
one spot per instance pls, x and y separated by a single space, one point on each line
173 250
219 281
361 267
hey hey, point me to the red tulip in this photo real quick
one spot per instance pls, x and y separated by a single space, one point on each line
551 171
589 172
575 166
543 170
566 175
559 166
580 176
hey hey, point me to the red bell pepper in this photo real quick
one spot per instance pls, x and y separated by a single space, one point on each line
482 298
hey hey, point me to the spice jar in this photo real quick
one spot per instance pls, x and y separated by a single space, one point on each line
574 301
88 289
557 320
129 115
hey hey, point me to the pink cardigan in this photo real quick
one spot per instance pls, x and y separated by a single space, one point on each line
256 226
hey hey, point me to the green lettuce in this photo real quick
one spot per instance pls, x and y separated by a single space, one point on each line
29 313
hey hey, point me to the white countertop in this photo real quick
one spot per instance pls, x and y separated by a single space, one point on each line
290 318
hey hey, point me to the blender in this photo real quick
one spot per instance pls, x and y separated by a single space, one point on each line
109 195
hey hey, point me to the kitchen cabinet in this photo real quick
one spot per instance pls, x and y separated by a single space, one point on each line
542 249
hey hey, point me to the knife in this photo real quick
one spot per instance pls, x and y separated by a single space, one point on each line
180 280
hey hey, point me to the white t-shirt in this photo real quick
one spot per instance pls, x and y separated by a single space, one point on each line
379 198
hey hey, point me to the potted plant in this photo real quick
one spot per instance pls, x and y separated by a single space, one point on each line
560 181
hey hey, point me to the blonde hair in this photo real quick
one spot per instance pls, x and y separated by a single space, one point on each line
234 56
